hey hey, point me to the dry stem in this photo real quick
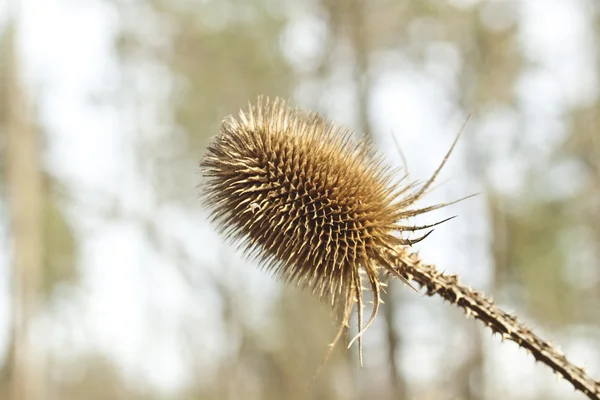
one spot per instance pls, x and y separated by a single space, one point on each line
477 305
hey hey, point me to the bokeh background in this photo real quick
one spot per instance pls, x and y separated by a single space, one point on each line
113 284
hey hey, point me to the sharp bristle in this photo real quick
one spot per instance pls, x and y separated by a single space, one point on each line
314 205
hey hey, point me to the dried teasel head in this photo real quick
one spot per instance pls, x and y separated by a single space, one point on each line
317 207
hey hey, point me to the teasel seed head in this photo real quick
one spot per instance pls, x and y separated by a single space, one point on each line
318 207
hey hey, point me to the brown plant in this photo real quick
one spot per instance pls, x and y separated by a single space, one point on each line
321 210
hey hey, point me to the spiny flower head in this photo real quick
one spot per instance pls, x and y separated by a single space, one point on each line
318 208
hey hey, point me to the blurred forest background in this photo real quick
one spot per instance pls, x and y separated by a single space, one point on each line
113 285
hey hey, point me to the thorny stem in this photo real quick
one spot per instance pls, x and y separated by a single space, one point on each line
507 326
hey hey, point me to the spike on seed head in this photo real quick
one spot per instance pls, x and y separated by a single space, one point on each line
316 206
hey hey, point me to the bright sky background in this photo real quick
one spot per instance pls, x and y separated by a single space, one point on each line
133 301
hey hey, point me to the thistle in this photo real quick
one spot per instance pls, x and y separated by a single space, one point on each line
321 209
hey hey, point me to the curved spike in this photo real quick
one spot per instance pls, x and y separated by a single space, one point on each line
421 227
413 213
427 184
359 300
410 242
376 301
404 163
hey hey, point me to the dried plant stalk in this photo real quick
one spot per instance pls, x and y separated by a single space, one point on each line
476 305
321 210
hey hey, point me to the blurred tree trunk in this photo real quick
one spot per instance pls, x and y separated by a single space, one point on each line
24 186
